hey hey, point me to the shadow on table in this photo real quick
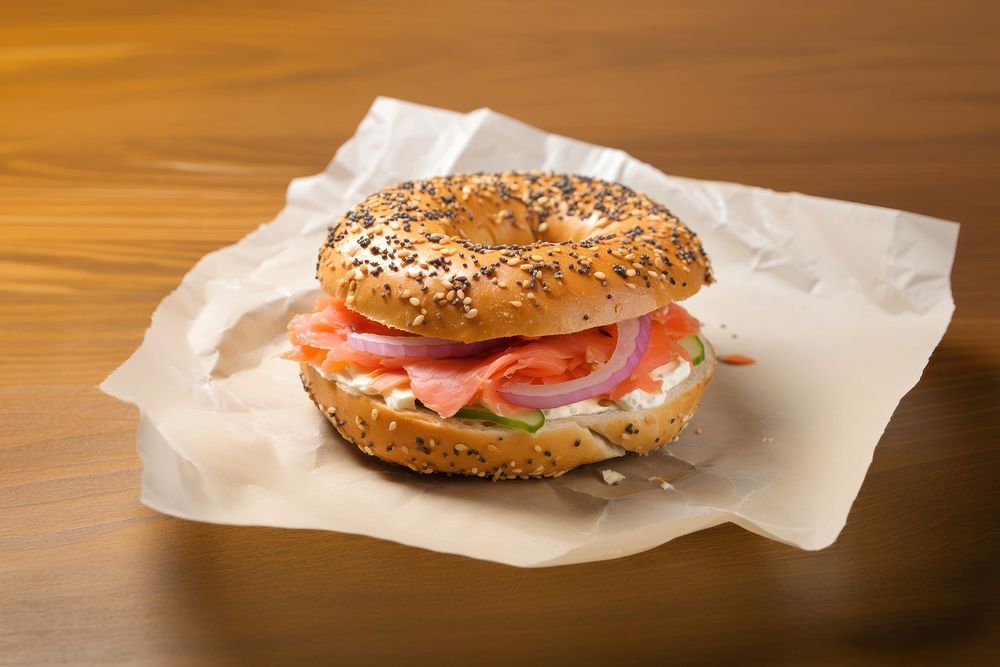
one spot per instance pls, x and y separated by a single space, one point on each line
913 577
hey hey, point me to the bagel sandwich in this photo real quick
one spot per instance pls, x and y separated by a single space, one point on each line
506 325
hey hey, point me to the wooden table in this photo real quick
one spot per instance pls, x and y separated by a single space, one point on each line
137 138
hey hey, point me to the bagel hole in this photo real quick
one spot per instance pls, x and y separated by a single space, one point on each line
516 228
557 229
524 235
514 234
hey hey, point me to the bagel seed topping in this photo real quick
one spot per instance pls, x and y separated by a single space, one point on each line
422 231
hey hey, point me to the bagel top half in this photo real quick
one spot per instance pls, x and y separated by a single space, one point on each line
480 256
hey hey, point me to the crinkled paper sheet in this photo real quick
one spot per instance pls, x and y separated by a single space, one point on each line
841 305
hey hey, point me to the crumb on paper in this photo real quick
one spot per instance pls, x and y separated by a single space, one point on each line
765 439
697 431
663 484
611 477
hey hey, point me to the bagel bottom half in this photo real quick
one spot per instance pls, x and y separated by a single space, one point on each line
424 442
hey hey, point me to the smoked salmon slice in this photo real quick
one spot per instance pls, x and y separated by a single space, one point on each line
447 385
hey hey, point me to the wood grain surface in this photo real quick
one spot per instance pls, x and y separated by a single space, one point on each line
136 137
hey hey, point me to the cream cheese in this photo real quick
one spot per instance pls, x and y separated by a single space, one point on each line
587 406
670 375
356 381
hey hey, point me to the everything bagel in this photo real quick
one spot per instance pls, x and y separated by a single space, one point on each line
479 256
507 325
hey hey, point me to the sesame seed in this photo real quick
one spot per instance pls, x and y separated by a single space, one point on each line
600 275
414 301
543 227
418 320
516 304
467 300
460 447
536 258
492 448
349 299
537 448
471 314
374 414
392 426
630 273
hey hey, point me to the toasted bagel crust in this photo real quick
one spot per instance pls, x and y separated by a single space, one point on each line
424 442
474 257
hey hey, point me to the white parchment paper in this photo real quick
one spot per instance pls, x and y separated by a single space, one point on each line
841 305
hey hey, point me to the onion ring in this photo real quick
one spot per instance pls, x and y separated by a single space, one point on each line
633 339
418 347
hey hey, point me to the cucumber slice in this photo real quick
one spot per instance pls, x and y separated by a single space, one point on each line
695 348
529 420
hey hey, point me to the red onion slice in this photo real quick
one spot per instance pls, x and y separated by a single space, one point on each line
633 338
418 347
